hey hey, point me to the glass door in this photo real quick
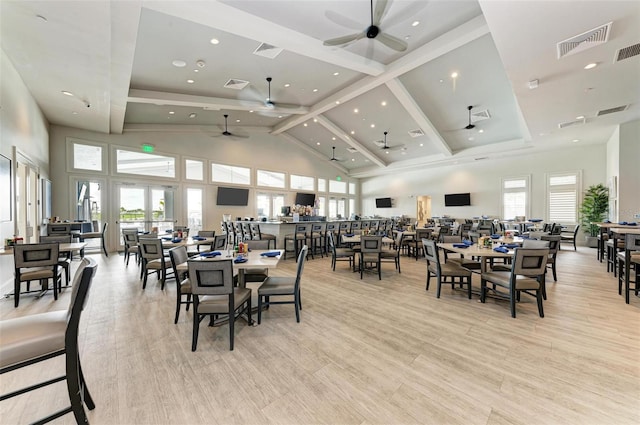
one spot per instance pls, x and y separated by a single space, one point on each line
146 208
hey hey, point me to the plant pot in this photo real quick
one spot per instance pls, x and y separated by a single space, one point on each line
591 241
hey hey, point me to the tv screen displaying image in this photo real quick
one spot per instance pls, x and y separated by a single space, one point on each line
305 199
232 196
383 203
457 200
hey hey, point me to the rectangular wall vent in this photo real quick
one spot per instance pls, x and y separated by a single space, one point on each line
584 41
480 115
416 133
235 84
268 51
572 123
627 52
612 110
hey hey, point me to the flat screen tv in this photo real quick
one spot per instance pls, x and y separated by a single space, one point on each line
457 200
232 196
305 199
383 203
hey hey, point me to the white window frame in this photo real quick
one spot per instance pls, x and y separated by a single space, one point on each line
338 182
271 194
310 188
218 182
284 179
577 187
204 169
116 173
185 204
71 141
526 189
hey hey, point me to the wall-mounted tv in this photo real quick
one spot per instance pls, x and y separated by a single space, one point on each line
457 199
232 196
383 203
305 199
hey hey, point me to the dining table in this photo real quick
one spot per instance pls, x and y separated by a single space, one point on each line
606 227
168 242
485 254
255 259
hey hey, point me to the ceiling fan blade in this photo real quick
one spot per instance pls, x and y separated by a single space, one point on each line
392 42
344 39
381 9
343 20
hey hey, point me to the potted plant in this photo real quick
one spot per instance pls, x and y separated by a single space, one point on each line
594 209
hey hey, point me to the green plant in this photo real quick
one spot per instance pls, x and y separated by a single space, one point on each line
594 208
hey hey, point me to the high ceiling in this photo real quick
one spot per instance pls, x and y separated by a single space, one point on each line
117 59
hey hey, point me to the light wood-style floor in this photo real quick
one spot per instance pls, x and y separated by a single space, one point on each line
366 352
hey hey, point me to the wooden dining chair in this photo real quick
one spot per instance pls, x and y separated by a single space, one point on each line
370 252
153 260
36 262
444 272
179 255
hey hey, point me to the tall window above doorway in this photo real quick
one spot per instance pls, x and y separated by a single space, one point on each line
515 197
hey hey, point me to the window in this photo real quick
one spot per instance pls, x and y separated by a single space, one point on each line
562 195
194 170
302 182
322 185
145 164
322 205
269 204
352 206
337 207
336 186
194 210
270 178
229 174
352 188
87 157
515 197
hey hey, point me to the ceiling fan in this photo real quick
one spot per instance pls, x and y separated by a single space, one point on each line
384 146
470 126
372 32
270 106
227 133
333 155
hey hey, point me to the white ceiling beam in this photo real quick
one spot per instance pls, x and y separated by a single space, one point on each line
313 152
407 101
465 33
224 17
340 133
211 103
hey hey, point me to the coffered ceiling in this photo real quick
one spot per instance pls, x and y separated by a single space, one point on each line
118 60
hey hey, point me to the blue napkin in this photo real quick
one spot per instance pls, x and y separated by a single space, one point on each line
535 220
198 238
623 223
495 236
240 260
348 234
210 254
169 231
633 223
524 237
511 245
176 240
501 249
460 245
166 238
467 242
145 233
607 221
270 254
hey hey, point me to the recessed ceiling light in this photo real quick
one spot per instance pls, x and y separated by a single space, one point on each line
454 75
442 81
190 81
580 117
305 124
355 111
387 152
67 93
406 37
353 160
287 85
171 112
193 115
421 144
353 132
196 70
415 23
575 140
471 139
279 116
215 41
481 131
315 120
179 63
237 120
373 126
337 102
383 103
335 74
251 111
315 90
591 65
75 113
333 138
318 143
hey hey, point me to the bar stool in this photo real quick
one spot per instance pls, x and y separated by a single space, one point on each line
298 238
318 236
257 234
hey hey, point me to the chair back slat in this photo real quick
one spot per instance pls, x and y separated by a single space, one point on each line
150 249
219 242
36 255
211 277
370 244
530 262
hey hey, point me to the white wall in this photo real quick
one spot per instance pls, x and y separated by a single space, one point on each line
613 168
483 180
629 171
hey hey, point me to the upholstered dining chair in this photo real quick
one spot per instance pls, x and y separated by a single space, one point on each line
97 234
28 340
130 240
153 260
283 287
257 234
299 238
340 254
179 255
36 262
214 294
443 271
568 235
64 260
627 260
370 251
392 253
526 276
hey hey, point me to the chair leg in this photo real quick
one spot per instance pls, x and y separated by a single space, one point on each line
483 290
196 324
16 292
297 307
259 308
179 299
104 248
74 386
553 269
469 286
512 304
439 285
232 321
539 298
86 396
428 279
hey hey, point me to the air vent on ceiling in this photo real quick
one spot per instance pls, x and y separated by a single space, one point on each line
612 110
352 149
480 115
268 51
235 84
584 41
571 123
627 52
416 133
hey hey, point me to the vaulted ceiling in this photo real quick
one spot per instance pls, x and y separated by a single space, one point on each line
142 65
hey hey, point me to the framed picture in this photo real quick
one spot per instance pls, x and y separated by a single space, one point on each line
6 188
